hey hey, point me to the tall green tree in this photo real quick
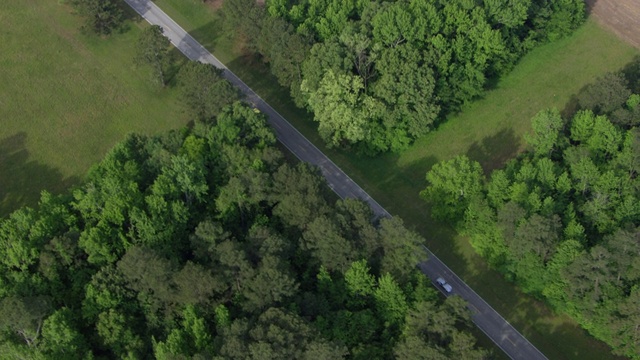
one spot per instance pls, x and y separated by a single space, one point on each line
204 91
298 195
342 108
284 50
25 316
547 126
62 338
452 185
390 301
102 16
245 18
272 284
406 86
117 333
153 50
328 245
605 94
359 282
402 249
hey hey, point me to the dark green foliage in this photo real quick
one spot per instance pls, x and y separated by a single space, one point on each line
204 91
62 336
376 74
299 196
553 19
24 316
605 95
406 87
444 339
452 185
102 16
401 249
202 243
153 50
284 50
244 17
563 220
547 126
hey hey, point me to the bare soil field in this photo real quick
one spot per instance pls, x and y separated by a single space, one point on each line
619 16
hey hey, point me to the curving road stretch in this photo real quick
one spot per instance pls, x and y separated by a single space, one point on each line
484 316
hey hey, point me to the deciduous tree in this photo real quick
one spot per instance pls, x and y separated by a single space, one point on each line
546 137
153 50
204 91
102 16
452 184
344 111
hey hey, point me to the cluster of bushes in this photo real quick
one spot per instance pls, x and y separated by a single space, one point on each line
563 220
204 243
379 74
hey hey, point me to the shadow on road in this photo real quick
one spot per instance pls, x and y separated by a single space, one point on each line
208 34
21 179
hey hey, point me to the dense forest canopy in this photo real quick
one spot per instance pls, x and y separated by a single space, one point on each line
204 243
379 74
563 220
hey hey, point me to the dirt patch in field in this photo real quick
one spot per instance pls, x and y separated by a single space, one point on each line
622 17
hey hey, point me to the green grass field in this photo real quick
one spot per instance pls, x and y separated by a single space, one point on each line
66 98
489 130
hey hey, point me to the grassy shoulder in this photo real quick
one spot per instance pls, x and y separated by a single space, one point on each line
66 98
489 130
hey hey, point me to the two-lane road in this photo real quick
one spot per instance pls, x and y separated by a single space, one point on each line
483 315
486 318
286 133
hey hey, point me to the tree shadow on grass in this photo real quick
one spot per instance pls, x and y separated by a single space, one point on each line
532 317
494 151
176 62
405 201
256 73
572 106
22 180
128 16
631 73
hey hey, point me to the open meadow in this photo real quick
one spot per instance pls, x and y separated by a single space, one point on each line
66 97
489 130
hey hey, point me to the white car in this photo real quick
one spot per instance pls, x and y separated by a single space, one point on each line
444 285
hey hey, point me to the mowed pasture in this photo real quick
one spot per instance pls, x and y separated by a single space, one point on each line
66 97
490 130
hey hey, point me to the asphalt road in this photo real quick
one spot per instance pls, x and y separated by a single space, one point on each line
484 316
